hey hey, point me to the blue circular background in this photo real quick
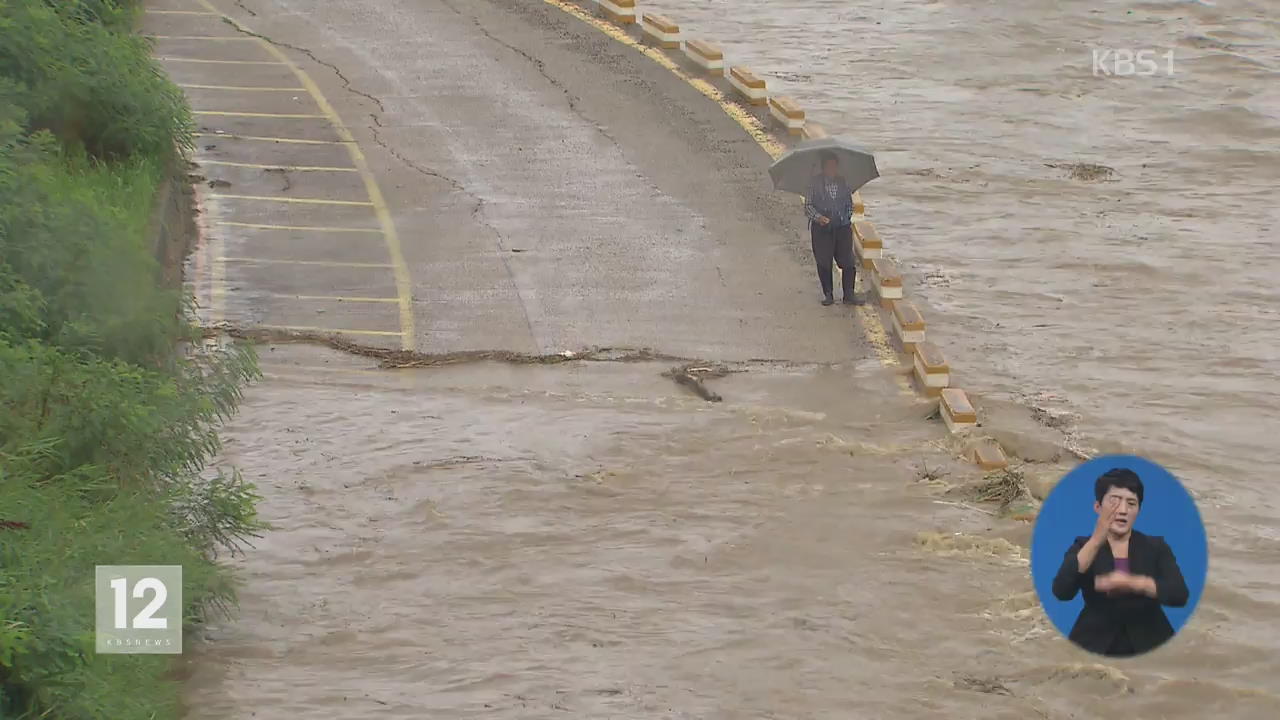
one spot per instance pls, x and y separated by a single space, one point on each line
1167 510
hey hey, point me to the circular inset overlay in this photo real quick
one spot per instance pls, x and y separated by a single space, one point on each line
1147 559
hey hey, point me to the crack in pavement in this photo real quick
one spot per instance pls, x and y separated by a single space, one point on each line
541 67
345 82
377 139
689 373
240 4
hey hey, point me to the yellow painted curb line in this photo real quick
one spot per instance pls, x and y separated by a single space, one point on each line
266 138
316 263
400 270
331 331
170 58
240 88
287 168
872 328
286 199
302 228
240 113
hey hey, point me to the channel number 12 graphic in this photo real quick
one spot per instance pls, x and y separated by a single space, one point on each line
138 609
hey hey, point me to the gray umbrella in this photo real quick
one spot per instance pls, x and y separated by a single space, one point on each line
794 171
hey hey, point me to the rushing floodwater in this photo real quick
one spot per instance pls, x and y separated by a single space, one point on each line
587 542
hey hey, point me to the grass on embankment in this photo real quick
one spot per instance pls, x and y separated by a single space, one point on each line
104 429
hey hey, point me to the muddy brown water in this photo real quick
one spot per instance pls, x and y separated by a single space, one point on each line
590 540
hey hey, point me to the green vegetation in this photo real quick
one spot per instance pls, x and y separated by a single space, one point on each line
106 424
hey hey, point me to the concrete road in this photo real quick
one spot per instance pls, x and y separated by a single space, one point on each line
518 180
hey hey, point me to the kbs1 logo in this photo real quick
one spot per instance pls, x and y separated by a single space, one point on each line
1119 62
139 609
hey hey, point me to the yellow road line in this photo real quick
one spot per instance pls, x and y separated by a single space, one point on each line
289 168
321 263
229 113
305 228
400 269
330 331
340 298
217 274
240 88
198 37
872 327
265 138
171 58
312 369
274 198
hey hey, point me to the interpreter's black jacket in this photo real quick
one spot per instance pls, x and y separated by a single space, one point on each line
1105 617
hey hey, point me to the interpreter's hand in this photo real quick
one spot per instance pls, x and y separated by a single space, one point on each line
1105 516
1122 583
1112 583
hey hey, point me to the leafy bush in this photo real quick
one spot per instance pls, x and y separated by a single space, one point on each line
105 430
103 461
93 85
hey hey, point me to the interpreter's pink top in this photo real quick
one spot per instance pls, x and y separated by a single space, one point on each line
1122 565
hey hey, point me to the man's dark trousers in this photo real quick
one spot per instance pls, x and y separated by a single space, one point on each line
834 243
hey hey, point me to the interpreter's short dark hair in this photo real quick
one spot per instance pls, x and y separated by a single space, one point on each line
827 157
1122 478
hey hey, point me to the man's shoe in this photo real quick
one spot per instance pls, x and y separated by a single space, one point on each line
828 300
855 300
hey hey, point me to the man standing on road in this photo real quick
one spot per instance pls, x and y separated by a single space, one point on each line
829 207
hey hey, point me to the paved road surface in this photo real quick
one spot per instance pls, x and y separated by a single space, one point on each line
550 188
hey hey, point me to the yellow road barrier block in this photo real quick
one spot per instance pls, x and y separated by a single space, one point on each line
748 85
622 12
956 410
931 369
988 455
908 325
886 280
788 114
705 55
866 242
661 30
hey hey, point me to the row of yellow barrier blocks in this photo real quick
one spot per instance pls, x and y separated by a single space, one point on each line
931 372
930 369
665 33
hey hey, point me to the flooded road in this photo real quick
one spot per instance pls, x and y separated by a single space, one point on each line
592 540
1141 304
589 540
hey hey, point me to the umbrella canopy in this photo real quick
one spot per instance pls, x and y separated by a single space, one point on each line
794 171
